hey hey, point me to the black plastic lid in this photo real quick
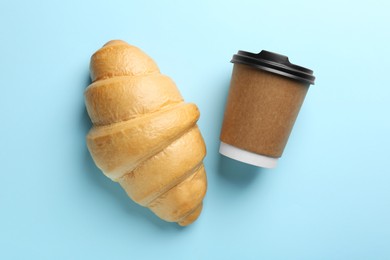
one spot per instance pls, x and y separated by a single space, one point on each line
275 63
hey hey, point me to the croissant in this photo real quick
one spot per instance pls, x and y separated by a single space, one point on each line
144 135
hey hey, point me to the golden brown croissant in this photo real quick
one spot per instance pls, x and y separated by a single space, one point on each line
144 136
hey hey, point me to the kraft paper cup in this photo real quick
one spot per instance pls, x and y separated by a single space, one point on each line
265 96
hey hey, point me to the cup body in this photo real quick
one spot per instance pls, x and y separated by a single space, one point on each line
260 113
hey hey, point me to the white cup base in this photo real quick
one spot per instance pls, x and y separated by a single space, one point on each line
247 157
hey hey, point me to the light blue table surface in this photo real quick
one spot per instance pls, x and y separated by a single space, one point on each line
329 198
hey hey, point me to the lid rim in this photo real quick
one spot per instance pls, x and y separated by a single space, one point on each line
282 73
272 63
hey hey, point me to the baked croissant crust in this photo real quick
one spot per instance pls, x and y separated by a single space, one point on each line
144 135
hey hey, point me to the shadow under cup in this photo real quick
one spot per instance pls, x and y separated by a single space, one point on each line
265 96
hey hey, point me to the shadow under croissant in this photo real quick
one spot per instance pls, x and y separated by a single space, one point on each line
113 189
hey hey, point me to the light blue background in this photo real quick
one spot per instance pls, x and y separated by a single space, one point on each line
328 199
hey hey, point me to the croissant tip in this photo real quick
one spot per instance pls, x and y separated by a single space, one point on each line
114 42
191 217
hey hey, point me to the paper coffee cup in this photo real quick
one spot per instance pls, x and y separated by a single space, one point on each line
265 96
